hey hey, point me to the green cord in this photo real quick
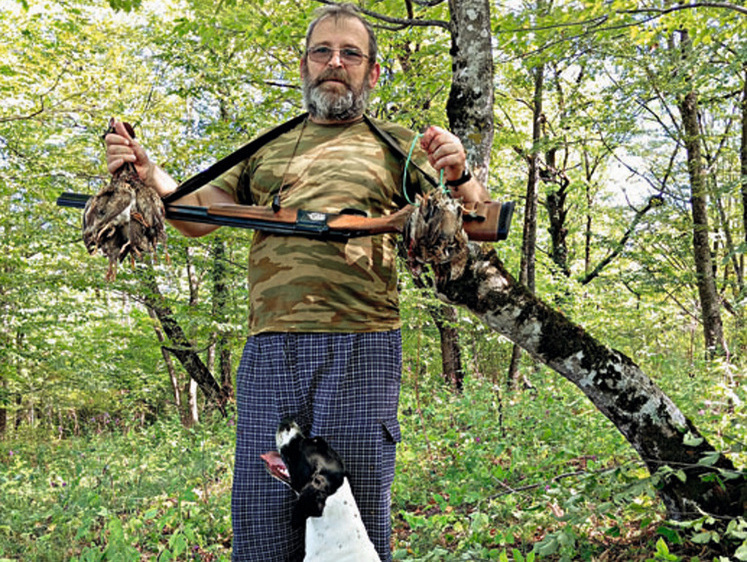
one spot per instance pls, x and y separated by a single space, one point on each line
441 184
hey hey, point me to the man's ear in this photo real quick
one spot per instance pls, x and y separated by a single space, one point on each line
373 74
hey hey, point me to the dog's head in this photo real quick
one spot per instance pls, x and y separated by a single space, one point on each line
308 465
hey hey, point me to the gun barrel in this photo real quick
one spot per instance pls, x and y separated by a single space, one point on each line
483 222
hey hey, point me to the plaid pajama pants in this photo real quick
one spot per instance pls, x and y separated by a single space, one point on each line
343 387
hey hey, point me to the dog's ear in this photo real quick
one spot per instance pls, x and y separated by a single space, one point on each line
311 500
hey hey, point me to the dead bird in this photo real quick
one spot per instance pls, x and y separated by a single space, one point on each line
434 235
125 218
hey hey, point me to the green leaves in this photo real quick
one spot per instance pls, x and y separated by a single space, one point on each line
125 5
120 496
492 474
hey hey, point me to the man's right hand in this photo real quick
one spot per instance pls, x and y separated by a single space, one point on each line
122 148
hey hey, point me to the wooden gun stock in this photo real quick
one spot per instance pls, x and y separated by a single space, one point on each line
483 222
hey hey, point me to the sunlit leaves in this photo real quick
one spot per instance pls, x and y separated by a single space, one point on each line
125 5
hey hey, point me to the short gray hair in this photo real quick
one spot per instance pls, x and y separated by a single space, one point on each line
340 11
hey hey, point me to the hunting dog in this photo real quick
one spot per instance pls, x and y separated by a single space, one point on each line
314 470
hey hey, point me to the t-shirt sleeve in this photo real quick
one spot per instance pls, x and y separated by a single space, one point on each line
229 181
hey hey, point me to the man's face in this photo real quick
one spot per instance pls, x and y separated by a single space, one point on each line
336 90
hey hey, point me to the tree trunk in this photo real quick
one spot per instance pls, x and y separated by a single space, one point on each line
167 360
529 240
470 103
445 317
557 182
709 301
3 409
191 413
743 152
184 410
587 228
555 203
181 347
470 112
713 330
649 420
451 355
19 412
220 315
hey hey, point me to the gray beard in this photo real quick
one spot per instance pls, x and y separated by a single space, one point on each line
330 106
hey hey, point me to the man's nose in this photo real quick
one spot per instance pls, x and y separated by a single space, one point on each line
336 59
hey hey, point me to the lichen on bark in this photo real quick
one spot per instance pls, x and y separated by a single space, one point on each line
654 426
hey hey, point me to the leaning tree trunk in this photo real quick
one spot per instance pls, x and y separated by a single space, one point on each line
169 368
475 277
181 347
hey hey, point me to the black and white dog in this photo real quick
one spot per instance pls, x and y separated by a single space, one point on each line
314 470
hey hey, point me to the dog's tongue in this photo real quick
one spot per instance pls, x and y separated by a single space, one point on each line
275 466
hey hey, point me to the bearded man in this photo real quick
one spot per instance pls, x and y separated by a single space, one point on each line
324 343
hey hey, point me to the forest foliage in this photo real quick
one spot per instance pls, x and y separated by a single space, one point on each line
95 458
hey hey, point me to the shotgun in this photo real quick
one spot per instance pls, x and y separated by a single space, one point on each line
483 222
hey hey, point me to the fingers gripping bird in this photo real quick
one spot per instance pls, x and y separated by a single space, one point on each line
125 218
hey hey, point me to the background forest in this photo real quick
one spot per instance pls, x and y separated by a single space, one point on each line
619 127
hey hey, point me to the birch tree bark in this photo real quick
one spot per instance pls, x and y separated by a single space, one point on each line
474 277
470 103
470 112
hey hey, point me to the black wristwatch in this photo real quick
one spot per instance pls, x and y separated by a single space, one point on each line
466 176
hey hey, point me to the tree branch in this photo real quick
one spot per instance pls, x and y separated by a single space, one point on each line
661 12
398 23
654 201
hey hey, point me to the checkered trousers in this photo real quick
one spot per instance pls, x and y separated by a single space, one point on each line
343 387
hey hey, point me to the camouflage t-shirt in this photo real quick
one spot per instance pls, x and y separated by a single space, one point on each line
300 284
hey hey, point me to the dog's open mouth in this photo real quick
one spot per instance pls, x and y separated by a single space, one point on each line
276 467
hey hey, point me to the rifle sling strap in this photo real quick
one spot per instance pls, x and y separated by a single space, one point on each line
224 164
397 149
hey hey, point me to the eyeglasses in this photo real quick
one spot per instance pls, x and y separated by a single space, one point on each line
349 56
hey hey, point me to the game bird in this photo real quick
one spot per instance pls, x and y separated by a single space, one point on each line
434 235
125 218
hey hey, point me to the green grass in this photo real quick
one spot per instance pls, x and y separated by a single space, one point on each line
160 493
485 475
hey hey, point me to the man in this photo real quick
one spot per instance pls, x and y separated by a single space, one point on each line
324 345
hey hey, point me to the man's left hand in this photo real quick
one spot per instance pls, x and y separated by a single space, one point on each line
445 152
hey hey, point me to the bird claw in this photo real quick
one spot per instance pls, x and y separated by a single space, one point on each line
105 231
139 218
111 273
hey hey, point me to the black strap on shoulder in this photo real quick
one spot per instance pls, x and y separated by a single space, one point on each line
224 164
398 150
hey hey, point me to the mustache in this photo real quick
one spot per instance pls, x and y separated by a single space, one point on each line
333 74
